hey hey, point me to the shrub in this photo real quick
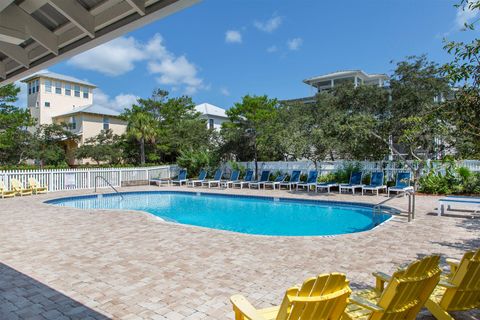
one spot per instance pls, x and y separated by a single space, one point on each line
195 160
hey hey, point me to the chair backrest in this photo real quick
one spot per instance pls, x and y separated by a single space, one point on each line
466 279
265 176
16 185
218 174
324 298
248 175
2 186
403 179
312 176
202 175
295 177
356 178
182 175
376 179
409 289
32 183
280 178
234 176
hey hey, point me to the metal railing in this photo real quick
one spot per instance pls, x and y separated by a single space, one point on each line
108 183
377 209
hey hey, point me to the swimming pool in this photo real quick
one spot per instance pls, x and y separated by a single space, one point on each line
244 214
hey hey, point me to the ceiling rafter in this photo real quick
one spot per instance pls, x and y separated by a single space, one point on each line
3 70
77 14
15 52
138 5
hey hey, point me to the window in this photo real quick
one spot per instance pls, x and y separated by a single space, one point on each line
48 86
73 123
33 86
76 90
37 85
68 89
106 123
29 88
47 104
210 123
58 87
85 92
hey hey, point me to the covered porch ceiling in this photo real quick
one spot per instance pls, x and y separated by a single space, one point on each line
35 34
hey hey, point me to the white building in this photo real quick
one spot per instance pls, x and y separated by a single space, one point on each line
214 115
356 77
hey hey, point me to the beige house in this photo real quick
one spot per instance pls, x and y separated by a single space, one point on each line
56 98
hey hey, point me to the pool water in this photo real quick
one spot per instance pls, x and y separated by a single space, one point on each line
252 215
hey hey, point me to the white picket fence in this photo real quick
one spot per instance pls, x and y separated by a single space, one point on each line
389 167
74 179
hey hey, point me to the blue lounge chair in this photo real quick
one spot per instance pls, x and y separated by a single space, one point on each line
182 178
264 177
217 179
294 180
246 180
311 180
402 183
233 179
376 183
326 186
201 178
355 183
279 179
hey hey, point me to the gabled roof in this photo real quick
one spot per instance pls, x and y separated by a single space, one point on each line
345 73
92 108
57 76
210 109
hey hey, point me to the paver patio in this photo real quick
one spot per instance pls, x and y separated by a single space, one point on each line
66 263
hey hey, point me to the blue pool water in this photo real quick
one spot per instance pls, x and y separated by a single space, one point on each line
252 215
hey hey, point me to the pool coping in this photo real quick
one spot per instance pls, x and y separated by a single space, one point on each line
394 212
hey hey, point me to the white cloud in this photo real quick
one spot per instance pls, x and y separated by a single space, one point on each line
270 25
464 15
272 49
225 91
233 36
295 43
119 56
172 70
119 102
112 58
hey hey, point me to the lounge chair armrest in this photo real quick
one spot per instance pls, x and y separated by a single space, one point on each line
364 303
244 309
446 284
380 279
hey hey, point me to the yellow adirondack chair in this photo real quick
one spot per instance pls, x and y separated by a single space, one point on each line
406 293
18 188
4 193
36 187
460 291
323 297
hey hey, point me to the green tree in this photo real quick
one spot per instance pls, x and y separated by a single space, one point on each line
250 126
104 147
48 145
14 121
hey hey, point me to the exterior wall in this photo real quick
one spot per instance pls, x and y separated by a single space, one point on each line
92 124
217 121
59 103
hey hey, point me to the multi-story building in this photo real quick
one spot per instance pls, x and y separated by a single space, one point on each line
56 98
214 115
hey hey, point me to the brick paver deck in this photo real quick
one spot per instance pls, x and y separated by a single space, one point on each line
66 263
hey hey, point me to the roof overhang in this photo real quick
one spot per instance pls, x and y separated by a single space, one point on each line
34 34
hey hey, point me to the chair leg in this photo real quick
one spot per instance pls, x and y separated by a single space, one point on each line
437 311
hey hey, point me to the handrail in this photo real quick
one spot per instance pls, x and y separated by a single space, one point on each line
110 185
411 204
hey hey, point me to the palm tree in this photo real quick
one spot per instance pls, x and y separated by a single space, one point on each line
141 126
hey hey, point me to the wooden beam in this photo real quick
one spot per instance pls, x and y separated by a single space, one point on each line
4 4
31 6
77 14
138 5
15 18
3 71
15 52
11 35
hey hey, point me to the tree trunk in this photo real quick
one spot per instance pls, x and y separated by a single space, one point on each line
255 157
142 151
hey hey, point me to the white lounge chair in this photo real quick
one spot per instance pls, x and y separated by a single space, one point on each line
182 178
279 179
233 179
217 179
201 178
311 181
264 177
376 183
246 180
355 183
402 183
293 181
326 185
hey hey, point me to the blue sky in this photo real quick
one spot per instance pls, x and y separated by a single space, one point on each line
218 50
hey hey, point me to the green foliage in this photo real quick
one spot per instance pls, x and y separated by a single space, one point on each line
236 166
452 181
105 147
194 161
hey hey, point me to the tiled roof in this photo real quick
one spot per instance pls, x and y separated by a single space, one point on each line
57 76
92 108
